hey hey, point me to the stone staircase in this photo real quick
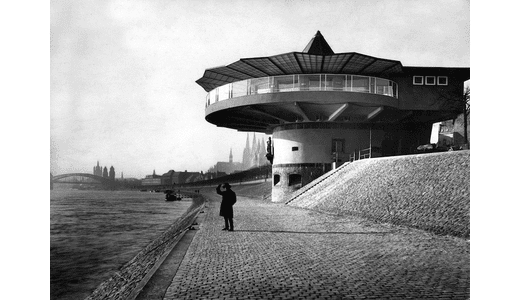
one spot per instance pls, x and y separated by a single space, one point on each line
330 175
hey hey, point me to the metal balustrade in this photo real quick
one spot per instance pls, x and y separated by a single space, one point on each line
360 154
307 82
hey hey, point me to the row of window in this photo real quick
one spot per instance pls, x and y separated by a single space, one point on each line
313 82
430 80
294 179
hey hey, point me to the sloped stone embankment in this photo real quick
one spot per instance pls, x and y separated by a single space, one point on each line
428 191
131 278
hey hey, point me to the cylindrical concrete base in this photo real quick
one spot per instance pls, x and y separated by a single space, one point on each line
305 151
288 178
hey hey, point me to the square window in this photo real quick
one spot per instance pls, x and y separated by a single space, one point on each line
430 80
442 80
418 80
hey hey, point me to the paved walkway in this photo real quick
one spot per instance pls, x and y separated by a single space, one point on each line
281 252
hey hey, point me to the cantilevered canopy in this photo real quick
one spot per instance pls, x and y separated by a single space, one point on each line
317 57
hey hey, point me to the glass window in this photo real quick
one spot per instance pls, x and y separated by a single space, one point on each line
442 80
239 89
213 96
335 82
309 82
296 85
283 83
418 80
259 85
384 87
322 82
430 80
360 84
326 82
223 92
304 82
313 82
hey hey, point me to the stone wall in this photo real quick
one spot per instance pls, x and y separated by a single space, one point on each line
427 191
308 173
128 281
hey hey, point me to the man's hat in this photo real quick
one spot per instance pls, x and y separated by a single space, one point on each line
226 185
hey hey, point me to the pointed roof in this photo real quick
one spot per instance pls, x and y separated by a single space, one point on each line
247 141
318 46
317 57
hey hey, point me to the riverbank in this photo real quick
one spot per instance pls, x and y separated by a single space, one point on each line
256 190
392 249
130 279
428 191
94 233
283 252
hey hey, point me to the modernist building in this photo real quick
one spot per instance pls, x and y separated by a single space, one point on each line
323 107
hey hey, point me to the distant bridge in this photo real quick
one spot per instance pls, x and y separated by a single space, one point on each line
102 180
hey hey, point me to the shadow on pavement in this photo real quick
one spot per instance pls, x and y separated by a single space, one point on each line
315 232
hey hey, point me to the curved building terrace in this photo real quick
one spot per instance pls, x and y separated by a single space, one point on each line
324 108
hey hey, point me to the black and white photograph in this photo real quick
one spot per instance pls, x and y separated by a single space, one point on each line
289 149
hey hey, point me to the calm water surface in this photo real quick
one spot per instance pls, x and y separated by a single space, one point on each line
94 233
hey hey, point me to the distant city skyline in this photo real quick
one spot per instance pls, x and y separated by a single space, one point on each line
253 155
122 73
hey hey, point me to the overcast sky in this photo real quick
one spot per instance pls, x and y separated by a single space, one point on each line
122 73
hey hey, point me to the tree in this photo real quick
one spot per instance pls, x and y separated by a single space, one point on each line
457 102
466 100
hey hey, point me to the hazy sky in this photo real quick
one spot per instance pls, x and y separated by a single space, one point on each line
122 73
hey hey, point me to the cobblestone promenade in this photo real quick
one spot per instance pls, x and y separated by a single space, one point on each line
282 252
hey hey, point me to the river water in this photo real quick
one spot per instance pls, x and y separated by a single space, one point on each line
94 233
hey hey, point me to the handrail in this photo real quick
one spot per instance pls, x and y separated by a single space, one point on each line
311 185
304 82
361 154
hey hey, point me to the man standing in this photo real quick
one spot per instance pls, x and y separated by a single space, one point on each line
226 206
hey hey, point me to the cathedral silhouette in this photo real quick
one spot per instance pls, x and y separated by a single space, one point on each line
103 172
253 156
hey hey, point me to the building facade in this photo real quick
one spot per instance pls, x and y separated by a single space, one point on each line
153 179
323 107
223 168
171 178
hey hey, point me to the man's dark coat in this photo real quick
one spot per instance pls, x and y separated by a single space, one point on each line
228 199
